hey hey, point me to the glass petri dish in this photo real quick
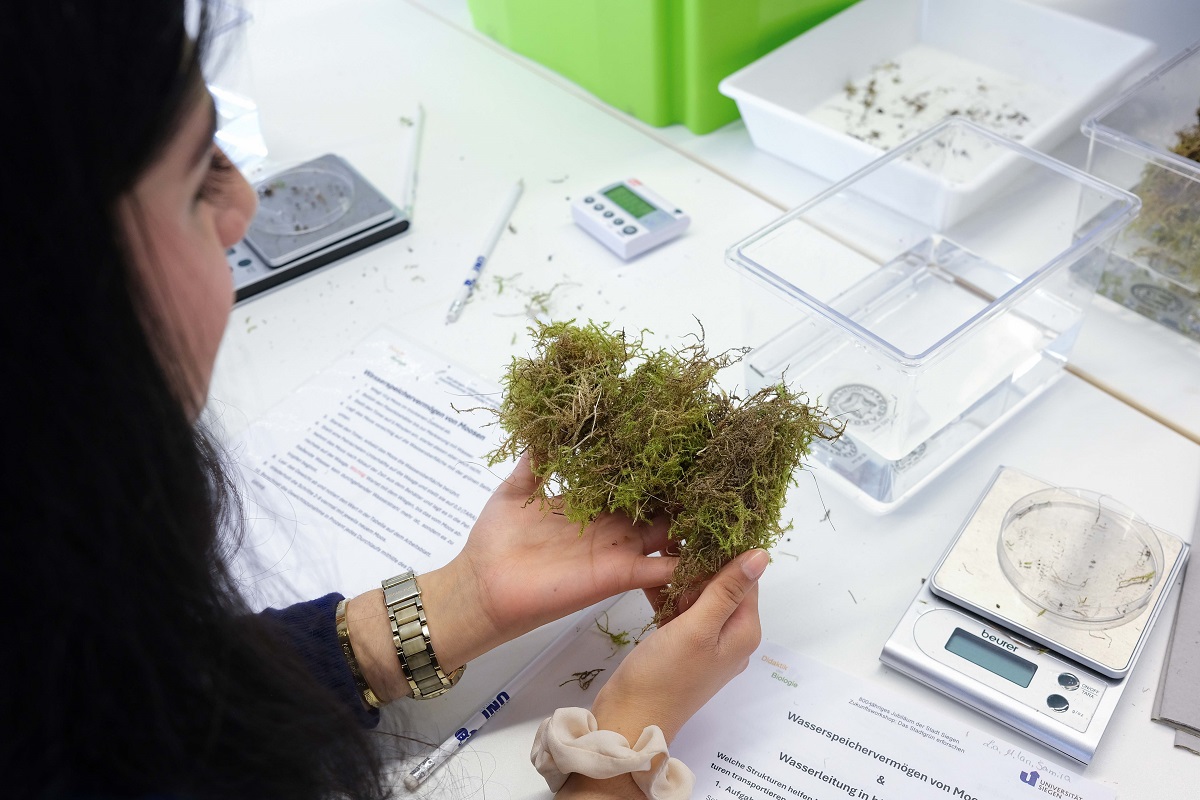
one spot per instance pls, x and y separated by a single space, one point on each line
1080 557
302 201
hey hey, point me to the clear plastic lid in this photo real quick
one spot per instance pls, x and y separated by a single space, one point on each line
1079 556
302 200
1147 117
909 275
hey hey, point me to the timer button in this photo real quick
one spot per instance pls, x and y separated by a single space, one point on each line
1058 703
1068 681
607 214
629 229
245 262
618 221
589 200
599 206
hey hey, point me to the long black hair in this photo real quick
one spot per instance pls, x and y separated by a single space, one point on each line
131 667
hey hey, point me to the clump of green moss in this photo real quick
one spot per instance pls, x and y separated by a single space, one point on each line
614 426
1188 145
1170 218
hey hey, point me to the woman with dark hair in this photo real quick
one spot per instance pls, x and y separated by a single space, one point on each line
135 668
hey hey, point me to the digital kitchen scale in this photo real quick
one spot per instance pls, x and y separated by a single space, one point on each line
1038 610
308 216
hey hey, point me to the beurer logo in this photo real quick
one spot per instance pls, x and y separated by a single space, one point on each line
991 637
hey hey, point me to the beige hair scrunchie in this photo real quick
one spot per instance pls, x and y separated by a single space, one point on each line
570 741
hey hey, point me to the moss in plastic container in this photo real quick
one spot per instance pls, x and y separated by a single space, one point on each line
1169 222
614 426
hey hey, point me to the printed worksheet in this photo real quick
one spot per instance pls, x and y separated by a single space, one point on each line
375 466
790 728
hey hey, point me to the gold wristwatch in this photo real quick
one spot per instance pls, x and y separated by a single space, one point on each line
410 634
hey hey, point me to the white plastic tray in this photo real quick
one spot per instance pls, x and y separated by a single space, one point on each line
1075 58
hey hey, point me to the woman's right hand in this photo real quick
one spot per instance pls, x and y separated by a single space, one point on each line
681 666
678 668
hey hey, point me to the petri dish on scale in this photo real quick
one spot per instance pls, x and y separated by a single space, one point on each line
1080 557
302 201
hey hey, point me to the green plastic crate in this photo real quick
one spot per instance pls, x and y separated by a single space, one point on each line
659 60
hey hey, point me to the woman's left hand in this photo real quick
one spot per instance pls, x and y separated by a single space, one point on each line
524 565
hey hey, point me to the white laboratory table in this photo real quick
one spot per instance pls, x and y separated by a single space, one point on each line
1132 358
339 76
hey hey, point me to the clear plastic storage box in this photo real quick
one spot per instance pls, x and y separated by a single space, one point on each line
1140 141
924 324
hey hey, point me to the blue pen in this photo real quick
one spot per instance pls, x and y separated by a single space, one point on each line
468 285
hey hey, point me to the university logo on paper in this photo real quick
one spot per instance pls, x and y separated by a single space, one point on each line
1030 777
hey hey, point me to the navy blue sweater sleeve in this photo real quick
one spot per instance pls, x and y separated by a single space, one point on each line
310 628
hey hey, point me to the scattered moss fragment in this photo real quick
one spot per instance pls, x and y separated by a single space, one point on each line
619 639
584 679
1139 579
616 638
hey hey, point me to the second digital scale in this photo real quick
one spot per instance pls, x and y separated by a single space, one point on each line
1037 612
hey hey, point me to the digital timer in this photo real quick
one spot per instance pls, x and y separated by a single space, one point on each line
628 218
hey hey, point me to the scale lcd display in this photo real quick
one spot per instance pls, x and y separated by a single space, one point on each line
629 201
994 659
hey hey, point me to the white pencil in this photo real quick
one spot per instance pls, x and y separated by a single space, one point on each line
489 244
412 157
582 619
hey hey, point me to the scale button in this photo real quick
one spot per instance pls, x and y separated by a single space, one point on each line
1058 703
607 214
589 200
629 229
1068 681
599 206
